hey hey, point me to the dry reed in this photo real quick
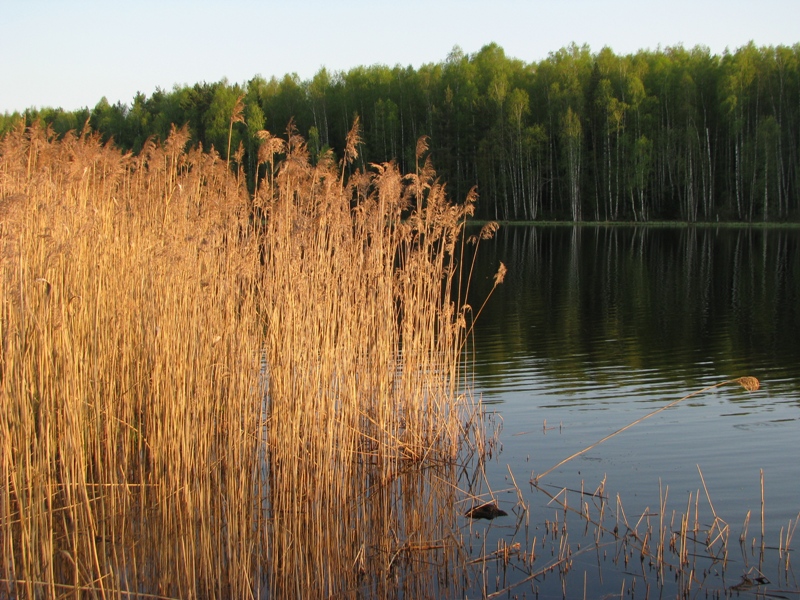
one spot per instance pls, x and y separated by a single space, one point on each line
687 555
208 394
691 556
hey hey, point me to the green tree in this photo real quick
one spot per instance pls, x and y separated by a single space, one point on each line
571 135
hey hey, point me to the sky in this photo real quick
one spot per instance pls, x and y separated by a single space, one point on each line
71 53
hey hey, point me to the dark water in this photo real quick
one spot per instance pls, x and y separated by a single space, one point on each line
596 327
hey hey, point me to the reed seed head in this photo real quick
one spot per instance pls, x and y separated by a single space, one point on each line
751 384
500 276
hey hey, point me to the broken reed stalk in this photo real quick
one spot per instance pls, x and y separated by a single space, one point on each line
763 521
751 384
200 401
677 545
787 542
662 509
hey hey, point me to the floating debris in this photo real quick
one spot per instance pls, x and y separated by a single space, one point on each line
486 511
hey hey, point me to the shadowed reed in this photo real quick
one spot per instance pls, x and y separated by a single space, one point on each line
212 394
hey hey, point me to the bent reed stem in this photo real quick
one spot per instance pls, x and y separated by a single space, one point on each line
751 384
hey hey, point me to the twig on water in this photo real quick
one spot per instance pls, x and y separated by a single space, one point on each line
751 384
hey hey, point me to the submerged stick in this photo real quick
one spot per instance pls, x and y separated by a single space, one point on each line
751 384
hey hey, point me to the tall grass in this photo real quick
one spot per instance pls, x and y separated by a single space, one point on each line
209 394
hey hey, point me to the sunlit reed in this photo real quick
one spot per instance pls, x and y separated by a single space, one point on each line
207 393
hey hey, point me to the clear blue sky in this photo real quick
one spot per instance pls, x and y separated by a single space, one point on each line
70 53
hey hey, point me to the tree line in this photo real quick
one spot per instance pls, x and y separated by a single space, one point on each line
669 134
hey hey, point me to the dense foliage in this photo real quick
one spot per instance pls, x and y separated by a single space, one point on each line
674 133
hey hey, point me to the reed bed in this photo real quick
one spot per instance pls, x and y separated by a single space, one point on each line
209 393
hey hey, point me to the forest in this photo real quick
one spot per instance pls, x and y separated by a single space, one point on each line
675 134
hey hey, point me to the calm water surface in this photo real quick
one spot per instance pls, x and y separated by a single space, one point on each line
596 327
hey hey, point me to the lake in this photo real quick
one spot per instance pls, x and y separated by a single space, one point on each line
595 328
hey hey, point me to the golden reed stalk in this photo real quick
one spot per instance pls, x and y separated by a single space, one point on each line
208 394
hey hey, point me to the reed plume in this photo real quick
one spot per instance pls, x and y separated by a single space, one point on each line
199 400
237 116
